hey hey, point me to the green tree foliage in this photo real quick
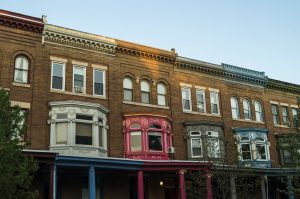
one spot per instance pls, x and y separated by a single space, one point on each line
16 170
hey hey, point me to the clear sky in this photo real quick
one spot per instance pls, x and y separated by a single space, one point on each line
259 35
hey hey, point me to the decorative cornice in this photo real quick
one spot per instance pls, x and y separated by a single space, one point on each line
78 104
283 86
78 39
19 21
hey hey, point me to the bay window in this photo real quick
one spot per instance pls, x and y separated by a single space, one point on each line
78 128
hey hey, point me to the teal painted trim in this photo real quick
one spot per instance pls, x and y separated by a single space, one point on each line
240 130
92 183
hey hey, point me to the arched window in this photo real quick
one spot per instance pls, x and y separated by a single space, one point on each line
145 91
21 69
247 109
234 108
128 89
161 94
258 111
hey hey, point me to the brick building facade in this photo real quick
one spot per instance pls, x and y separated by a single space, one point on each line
113 115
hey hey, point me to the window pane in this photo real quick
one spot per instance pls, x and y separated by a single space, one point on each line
261 152
57 75
154 126
246 153
213 147
22 63
78 80
196 147
135 141
161 89
247 109
127 95
285 115
154 140
200 101
258 111
84 133
214 100
135 126
61 133
234 108
100 136
98 76
161 100
84 117
57 70
287 157
21 76
275 114
145 86
185 94
57 82
145 97
98 88
127 83
186 105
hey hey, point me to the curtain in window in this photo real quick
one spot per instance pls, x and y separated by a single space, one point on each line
258 111
247 109
185 93
61 133
21 69
135 141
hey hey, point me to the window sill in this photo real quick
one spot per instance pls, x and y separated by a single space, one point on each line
198 113
79 150
77 94
282 126
21 85
250 121
6 89
146 105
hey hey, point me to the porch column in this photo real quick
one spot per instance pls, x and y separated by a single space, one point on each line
182 184
92 183
54 181
140 184
263 188
232 187
208 186
290 187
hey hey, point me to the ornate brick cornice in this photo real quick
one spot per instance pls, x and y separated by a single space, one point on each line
78 39
283 86
19 21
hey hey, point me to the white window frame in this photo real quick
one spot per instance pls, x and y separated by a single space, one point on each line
145 91
247 102
128 89
195 137
260 112
234 109
277 114
162 94
84 78
64 75
104 81
213 135
204 101
212 92
264 145
188 89
285 117
22 70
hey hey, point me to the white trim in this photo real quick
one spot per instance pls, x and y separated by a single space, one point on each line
104 81
76 94
58 59
218 104
274 102
185 85
84 78
102 67
146 105
190 98
249 121
63 78
79 63
196 137
26 85
200 87
284 104
213 90
198 113
24 105
294 106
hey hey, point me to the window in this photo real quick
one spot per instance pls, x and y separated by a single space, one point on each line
147 137
213 145
247 109
186 98
135 141
78 128
285 116
234 108
253 147
21 69
275 114
196 144
161 94
128 89
289 149
214 102
258 111
200 97
99 82
58 76
78 79
295 117
145 92
154 140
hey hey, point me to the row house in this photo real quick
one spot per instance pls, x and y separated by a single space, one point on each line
105 114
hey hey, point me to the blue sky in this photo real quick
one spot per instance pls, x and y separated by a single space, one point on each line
259 35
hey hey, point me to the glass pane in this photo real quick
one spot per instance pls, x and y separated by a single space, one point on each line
161 100
84 117
200 101
154 126
84 133
98 76
135 126
274 109
100 136
287 157
98 88
127 95
246 153
161 89
61 116
213 147
127 83
61 133
185 93
20 76
78 80
145 97
135 141
57 82
78 71
145 86
245 139
196 147
57 70
22 63
214 108
186 104
261 152
154 140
